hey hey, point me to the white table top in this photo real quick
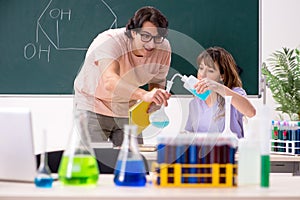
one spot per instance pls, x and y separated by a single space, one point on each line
282 186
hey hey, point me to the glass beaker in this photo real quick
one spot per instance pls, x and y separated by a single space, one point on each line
130 168
78 165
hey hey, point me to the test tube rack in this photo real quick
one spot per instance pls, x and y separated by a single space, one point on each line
179 175
285 147
285 137
195 160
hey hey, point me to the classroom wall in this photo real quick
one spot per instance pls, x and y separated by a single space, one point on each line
54 114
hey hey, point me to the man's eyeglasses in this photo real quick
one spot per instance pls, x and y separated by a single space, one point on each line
147 37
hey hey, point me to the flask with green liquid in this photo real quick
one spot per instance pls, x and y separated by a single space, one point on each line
78 165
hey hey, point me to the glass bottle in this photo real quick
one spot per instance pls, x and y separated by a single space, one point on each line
130 168
43 178
78 165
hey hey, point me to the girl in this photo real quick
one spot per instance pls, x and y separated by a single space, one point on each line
218 72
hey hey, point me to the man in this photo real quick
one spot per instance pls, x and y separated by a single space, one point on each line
117 63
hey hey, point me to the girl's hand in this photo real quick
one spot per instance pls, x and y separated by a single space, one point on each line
208 84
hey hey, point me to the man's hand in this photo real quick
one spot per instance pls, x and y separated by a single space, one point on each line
153 107
158 96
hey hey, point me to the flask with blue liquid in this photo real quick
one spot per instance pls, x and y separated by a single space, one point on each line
43 179
159 118
190 82
130 168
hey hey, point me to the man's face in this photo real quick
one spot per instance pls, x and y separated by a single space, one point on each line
146 40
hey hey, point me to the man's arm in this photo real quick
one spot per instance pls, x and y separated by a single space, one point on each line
115 84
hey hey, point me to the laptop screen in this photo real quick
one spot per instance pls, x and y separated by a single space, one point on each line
17 159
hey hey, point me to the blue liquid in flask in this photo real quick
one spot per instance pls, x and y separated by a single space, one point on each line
43 182
133 175
159 118
43 179
161 124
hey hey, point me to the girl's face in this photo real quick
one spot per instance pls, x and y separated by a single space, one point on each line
210 72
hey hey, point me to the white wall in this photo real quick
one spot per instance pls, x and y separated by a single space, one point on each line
280 28
280 25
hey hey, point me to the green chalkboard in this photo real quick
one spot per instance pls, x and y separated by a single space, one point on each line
43 42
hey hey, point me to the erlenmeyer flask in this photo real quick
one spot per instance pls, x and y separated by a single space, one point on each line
159 118
130 168
227 131
78 165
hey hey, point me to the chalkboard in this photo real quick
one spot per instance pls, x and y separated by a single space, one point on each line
43 42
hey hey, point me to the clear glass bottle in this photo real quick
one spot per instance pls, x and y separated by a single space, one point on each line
78 165
130 167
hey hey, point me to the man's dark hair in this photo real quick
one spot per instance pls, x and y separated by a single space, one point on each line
150 14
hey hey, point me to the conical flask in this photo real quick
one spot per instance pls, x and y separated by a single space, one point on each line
130 168
78 165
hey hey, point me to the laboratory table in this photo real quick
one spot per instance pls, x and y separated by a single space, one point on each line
282 186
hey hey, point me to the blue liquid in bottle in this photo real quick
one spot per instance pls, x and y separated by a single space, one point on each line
43 182
133 175
203 95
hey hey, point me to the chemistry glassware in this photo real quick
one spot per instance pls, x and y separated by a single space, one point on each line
43 178
78 165
130 167
227 131
159 118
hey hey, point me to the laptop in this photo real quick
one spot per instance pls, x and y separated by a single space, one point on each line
17 159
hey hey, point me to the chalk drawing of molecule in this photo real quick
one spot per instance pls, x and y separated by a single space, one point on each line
58 16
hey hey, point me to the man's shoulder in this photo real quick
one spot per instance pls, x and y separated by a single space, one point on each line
166 44
113 32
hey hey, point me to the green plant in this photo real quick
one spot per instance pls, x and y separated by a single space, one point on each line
283 78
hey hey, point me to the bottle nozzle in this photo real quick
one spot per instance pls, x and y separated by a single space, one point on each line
169 85
184 78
